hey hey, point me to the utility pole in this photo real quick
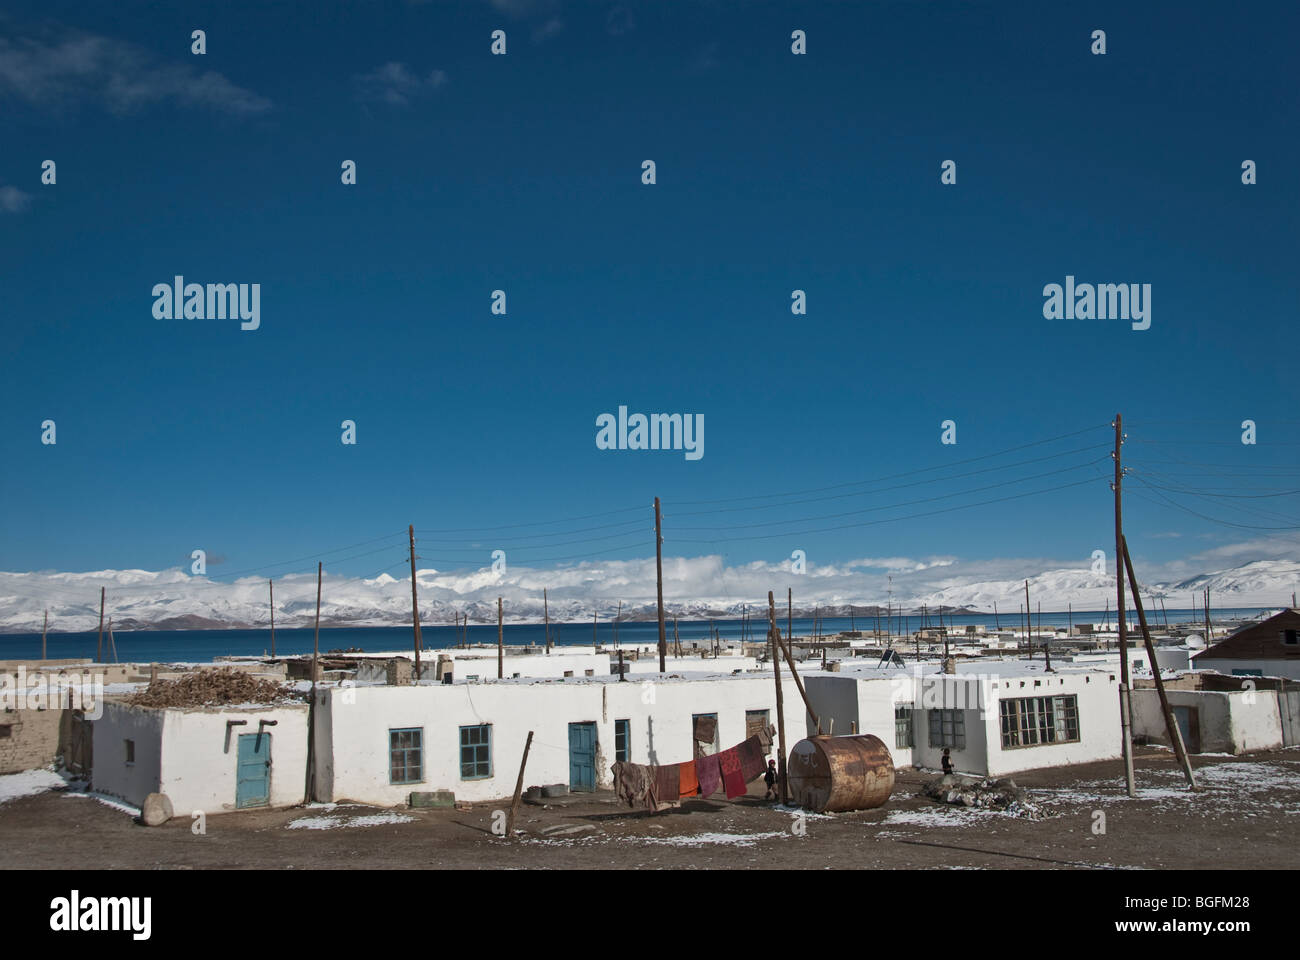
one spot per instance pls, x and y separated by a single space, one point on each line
415 605
1029 622
309 790
594 615
271 585
659 573
44 625
99 648
1171 725
997 622
1047 649
501 653
546 616
1125 713
789 615
780 703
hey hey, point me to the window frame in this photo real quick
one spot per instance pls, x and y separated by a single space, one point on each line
1039 721
623 731
485 744
395 747
947 724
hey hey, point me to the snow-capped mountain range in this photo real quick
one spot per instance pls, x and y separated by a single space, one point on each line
697 587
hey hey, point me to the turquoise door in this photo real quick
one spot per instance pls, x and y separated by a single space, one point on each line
582 756
253 784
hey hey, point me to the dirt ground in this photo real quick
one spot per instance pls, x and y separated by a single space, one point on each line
1245 816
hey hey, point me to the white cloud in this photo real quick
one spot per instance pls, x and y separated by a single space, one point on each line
81 67
396 83
13 200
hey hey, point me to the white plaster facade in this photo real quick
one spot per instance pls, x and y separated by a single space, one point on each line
353 727
191 754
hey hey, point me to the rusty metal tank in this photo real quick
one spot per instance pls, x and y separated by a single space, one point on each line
830 774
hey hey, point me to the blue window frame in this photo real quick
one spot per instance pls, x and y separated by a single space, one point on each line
476 752
622 741
406 755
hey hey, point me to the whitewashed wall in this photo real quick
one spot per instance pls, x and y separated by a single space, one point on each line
199 771
111 773
353 727
1099 723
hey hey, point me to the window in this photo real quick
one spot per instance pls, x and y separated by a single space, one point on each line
704 727
948 729
1035 721
406 755
130 751
476 752
622 741
903 726
6 731
755 722
1291 638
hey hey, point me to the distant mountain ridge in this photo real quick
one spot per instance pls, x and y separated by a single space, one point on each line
172 600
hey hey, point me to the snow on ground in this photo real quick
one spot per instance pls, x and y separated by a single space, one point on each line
708 839
28 783
330 823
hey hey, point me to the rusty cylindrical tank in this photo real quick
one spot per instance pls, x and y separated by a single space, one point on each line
830 774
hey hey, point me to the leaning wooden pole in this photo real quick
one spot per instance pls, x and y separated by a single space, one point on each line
1125 712
501 650
519 786
1171 725
789 658
780 703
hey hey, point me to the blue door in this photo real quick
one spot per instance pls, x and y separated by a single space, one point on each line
582 756
253 783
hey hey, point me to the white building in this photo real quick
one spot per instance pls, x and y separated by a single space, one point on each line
378 744
995 716
203 758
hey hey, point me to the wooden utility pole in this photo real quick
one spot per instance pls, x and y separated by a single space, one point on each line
1125 713
519 786
789 614
1171 725
789 659
618 616
271 585
1070 609
659 573
1047 648
309 791
593 629
677 640
501 652
546 617
780 703
997 622
44 625
1029 622
99 647
415 604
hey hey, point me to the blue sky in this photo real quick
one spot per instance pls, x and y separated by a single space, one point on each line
775 172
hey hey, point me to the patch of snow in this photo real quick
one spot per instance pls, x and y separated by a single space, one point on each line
28 783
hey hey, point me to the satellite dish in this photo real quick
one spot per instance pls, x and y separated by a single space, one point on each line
1196 642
